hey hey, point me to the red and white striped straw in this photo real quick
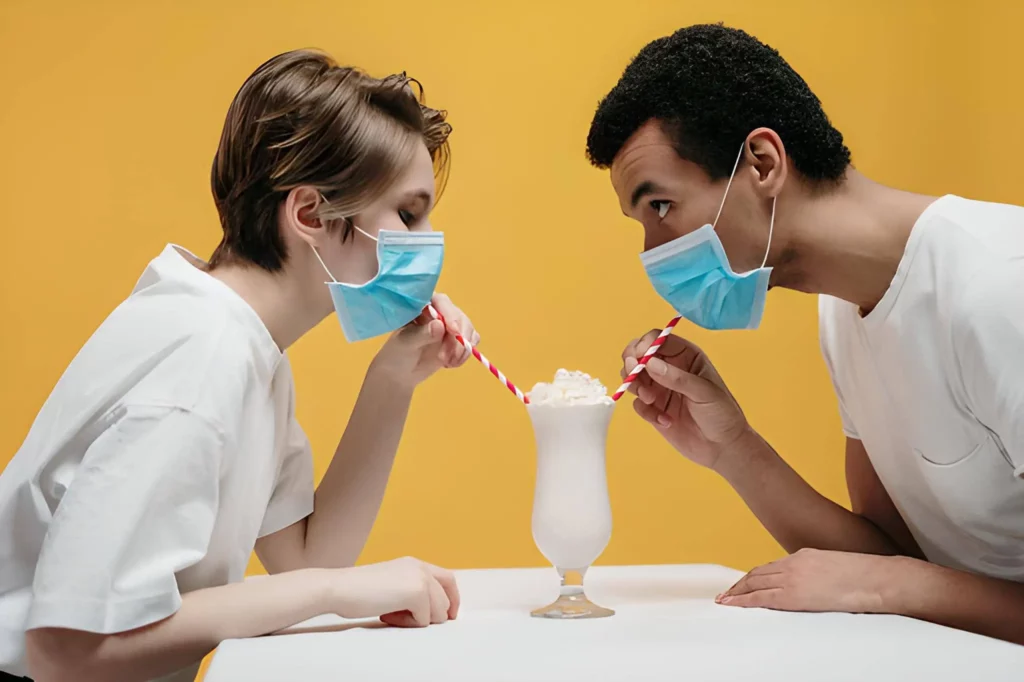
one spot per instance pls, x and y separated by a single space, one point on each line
631 377
483 361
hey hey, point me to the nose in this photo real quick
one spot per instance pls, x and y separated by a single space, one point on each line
654 238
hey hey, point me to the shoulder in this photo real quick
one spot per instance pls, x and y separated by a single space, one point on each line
186 351
978 232
976 262
991 304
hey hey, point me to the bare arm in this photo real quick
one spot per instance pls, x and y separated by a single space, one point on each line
965 601
206 617
405 592
349 496
794 513
816 580
869 499
682 395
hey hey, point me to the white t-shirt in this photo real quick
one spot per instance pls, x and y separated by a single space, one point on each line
932 382
167 447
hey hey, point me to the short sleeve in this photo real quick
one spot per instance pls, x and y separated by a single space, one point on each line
988 337
826 333
140 508
292 498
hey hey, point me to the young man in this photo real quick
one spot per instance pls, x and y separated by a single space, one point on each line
922 329
169 449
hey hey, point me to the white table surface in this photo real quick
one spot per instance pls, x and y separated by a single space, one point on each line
667 627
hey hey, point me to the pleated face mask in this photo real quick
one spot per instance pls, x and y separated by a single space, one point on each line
692 273
408 267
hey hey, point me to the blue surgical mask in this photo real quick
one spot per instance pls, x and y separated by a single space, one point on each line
692 273
409 265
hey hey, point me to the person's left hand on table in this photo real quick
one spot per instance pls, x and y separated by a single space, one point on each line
816 580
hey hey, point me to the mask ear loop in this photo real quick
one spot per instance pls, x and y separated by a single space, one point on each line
771 225
322 264
771 229
729 184
317 252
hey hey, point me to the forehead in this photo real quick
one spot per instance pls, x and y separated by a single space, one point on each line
417 177
647 156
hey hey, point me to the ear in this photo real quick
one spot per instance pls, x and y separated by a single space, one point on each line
300 214
766 157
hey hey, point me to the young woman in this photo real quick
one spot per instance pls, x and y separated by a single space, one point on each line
169 449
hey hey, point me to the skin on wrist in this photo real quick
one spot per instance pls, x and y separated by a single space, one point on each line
734 459
904 578
378 374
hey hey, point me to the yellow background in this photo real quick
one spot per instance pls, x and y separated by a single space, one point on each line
110 113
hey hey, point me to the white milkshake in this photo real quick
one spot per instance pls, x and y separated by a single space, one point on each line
572 520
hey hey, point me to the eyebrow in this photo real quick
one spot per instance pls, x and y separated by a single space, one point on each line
420 195
642 190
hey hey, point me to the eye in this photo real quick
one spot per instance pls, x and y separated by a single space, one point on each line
661 207
407 217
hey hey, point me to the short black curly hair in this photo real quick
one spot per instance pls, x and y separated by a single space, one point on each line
710 86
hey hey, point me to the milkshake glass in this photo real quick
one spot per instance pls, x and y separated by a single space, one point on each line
572 519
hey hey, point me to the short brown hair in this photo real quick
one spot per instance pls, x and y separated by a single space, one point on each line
300 119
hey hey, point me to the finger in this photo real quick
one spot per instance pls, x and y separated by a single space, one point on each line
421 335
446 579
443 303
752 583
652 394
697 389
468 332
399 619
451 351
455 317
643 380
652 414
765 599
420 609
438 602
645 341
476 338
462 355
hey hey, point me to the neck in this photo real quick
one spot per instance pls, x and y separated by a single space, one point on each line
286 306
848 242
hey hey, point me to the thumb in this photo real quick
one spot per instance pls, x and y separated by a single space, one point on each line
695 388
420 335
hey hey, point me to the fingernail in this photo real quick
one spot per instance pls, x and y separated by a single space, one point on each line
664 420
657 366
725 600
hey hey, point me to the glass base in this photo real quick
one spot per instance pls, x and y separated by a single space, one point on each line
572 603
572 607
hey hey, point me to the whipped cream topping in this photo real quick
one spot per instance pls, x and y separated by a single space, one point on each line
570 388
